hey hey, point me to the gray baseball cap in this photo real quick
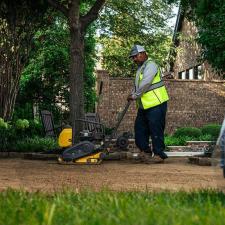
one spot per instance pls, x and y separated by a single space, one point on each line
136 49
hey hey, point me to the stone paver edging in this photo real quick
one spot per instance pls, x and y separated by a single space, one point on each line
111 156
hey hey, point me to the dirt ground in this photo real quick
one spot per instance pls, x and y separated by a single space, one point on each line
175 174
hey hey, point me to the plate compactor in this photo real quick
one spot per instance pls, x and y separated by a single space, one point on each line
86 152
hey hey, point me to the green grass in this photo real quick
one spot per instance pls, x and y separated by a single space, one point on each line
112 208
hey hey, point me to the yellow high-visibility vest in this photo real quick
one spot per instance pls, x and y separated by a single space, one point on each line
157 93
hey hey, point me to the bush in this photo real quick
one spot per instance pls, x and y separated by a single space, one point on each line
188 131
4 134
35 144
22 124
211 129
176 141
206 137
20 131
3 124
171 141
108 130
35 128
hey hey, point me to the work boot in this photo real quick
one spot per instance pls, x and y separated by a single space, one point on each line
163 155
149 151
157 159
145 157
148 159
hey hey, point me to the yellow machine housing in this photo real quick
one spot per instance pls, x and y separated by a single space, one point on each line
91 159
65 138
65 141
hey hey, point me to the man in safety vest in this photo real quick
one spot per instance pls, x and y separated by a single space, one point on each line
151 98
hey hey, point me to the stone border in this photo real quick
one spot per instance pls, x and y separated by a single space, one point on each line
201 161
193 148
12 154
112 156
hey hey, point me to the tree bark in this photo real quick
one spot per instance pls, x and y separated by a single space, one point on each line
9 87
78 25
10 73
76 81
16 32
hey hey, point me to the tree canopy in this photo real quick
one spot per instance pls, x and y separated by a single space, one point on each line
45 78
19 20
209 17
124 23
78 23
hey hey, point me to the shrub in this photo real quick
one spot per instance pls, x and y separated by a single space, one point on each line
4 134
171 141
188 131
108 130
211 129
206 137
35 128
22 124
176 141
35 144
3 124
20 131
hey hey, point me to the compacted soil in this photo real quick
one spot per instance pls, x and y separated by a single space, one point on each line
175 174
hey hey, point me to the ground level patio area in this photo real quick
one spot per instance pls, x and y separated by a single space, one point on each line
174 175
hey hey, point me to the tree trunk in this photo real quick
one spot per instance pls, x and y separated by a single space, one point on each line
76 81
9 83
16 32
78 25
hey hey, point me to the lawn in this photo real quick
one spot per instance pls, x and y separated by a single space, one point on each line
110 208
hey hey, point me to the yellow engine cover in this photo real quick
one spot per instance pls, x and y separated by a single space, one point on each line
65 138
91 159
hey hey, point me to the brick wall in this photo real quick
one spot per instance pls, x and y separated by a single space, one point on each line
192 102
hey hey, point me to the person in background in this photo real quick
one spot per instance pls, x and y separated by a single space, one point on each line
151 98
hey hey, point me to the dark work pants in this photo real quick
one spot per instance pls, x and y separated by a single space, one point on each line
151 123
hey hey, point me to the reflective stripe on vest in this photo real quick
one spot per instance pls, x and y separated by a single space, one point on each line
156 94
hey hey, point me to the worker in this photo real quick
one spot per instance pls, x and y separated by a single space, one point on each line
151 98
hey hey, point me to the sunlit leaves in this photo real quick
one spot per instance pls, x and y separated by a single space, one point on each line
134 22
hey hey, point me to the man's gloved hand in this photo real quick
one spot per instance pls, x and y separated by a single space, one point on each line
130 98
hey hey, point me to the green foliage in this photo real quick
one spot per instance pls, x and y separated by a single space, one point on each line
23 109
19 20
177 141
212 130
45 79
20 130
211 23
35 144
22 124
208 132
35 128
4 134
206 137
181 140
108 130
209 17
188 131
125 23
3 124
104 207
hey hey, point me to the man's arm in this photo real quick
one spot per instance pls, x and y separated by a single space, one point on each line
149 73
